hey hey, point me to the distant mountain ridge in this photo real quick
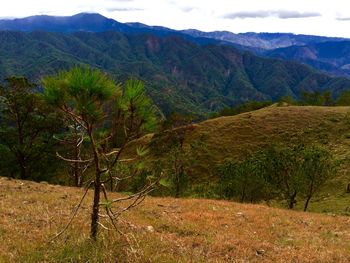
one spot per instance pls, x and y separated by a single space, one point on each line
330 56
80 22
262 41
93 22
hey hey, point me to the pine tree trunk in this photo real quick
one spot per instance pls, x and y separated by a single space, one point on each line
76 168
307 203
292 200
97 188
95 208
243 195
22 166
177 186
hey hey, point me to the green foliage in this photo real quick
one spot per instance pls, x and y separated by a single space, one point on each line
317 98
343 99
140 112
82 90
278 172
26 129
170 141
142 151
92 101
142 175
282 168
244 180
318 167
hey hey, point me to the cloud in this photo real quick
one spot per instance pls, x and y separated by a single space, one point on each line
188 9
123 9
343 18
283 14
296 14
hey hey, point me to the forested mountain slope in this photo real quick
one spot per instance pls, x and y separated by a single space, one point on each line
180 75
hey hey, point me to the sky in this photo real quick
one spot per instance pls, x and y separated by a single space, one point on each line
312 17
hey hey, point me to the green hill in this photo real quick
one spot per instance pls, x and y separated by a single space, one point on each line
235 137
180 75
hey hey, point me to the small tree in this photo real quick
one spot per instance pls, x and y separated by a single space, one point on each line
282 168
243 180
92 100
343 98
179 156
318 167
282 172
298 170
317 98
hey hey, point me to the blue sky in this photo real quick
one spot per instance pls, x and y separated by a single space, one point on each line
317 17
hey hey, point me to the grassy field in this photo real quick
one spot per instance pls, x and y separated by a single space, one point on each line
234 137
163 230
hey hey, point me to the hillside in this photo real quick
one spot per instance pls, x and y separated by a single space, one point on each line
163 230
180 75
329 56
235 137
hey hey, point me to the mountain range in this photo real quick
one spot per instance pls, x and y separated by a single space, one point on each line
182 72
90 22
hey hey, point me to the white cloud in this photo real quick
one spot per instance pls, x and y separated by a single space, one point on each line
283 14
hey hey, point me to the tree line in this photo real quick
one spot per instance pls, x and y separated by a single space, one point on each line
278 172
316 98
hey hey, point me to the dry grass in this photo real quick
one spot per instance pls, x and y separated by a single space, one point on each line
238 135
184 230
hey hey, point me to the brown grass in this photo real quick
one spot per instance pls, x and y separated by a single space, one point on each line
236 136
184 230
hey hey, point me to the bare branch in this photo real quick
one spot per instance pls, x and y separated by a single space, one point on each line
139 199
127 160
75 211
75 117
109 213
104 227
80 141
146 189
72 160
111 153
